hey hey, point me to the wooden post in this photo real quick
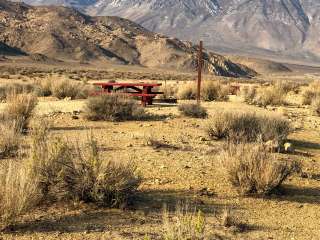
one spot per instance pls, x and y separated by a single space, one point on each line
200 60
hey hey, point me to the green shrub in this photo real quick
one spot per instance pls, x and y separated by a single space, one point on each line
113 107
193 110
251 169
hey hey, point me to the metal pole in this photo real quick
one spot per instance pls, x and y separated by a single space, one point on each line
200 56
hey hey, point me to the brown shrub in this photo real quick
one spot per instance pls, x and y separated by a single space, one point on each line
251 169
247 127
187 91
68 171
10 140
316 105
272 95
193 110
312 92
113 107
249 93
14 88
19 110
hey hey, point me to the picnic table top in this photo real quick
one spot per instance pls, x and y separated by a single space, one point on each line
139 84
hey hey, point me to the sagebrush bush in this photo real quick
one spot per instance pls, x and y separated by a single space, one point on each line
272 95
68 171
316 105
18 191
169 91
19 110
10 140
248 93
210 91
185 224
251 169
312 92
113 107
247 127
193 110
14 88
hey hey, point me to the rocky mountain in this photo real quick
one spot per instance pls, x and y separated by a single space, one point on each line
66 34
285 27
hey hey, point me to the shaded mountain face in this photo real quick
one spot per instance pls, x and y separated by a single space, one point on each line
66 34
291 27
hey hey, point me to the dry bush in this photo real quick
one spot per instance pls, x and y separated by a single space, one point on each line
14 88
19 110
210 91
248 93
185 224
272 95
18 191
43 88
312 92
247 127
169 91
193 110
251 169
10 140
113 107
68 171
316 105
187 91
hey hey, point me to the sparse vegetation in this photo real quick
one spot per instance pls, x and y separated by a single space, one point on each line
210 91
193 110
113 107
10 140
19 110
185 224
247 127
14 89
316 105
312 92
251 169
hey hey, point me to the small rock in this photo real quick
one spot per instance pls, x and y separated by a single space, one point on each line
288 147
75 117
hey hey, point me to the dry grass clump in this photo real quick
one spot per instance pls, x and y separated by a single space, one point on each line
193 110
185 224
316 105
113 107
247 127
272 95
10 140
68 171
311 93
210 91
18 191
14 88
251 169
19 110
169 91
248 93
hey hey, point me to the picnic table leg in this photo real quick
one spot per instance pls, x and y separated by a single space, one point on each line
143 98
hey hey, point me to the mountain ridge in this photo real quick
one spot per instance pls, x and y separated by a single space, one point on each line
289 27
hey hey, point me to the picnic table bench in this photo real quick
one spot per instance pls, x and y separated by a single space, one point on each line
143 90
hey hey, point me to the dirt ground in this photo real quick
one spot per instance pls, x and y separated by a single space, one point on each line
185 168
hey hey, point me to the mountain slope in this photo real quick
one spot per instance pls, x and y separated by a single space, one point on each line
291 27
65 34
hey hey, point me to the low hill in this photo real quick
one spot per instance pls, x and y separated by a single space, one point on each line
66 34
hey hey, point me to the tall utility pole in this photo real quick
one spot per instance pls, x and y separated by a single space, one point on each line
200 62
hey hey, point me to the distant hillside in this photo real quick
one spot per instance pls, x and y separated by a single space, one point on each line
66 34
287 27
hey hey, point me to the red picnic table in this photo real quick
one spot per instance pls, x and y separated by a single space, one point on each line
143 90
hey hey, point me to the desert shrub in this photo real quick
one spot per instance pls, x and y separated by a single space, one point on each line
18 191
248 93
19 110
272 95
193 110
251 169
113 107
68 171
247 127
185 224
43 88
312 92
169 91
287 86
316 105
14 88
10 140
210 91
214 91
64 88
187 91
